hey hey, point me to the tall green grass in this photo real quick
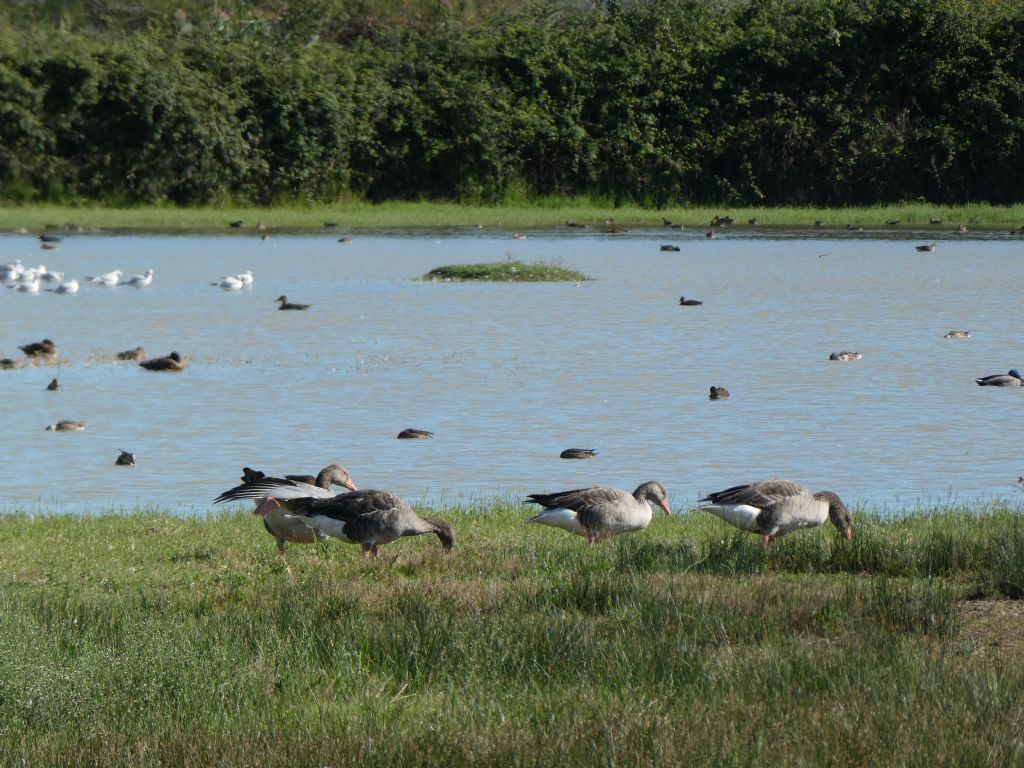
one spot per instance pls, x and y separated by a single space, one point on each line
544 213
151 639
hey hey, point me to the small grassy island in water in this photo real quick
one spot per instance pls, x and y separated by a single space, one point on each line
506 272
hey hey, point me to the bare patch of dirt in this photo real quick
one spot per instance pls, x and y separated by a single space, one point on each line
996 626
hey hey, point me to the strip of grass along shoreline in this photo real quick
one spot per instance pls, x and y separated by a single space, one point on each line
543 214
152 639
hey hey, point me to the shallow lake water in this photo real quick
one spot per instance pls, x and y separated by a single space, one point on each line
509 375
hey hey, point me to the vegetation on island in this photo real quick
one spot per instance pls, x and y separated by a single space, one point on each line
672 103
506 272
148 638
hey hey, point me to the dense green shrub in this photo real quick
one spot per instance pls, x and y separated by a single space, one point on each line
755 102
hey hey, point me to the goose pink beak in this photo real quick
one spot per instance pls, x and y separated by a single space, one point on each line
848 532
664 505
351 486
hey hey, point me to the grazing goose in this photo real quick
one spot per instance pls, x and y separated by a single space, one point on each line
578 453
600 513
66 426
126 459
270 492
285 304
415 434
718 393
369 518
140 281
108 279
44 348
54 386
685 302
1010 379
132 354
774 507
173 362
925 248
958 335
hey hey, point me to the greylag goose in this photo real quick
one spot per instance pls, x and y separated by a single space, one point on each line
600 513
66 426
126 459
774 507
272 495
173 362
285 304
44 348
369 518
415 434
578 453
718 393
1010 379
958 335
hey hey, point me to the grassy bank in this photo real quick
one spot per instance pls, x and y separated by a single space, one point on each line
150 639
542 214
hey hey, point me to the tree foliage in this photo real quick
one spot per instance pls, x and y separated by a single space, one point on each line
817 102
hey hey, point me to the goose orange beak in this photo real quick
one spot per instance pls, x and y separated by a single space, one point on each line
351 486
664 506
848 532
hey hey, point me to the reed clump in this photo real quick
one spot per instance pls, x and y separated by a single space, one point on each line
149 638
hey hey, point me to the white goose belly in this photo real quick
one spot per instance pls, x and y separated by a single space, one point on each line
743 516
560 517
328 525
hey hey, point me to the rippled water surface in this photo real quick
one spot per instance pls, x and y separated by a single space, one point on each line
508 375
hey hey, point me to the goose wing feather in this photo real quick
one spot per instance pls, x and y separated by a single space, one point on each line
279 488
762 495
349 506
581 499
